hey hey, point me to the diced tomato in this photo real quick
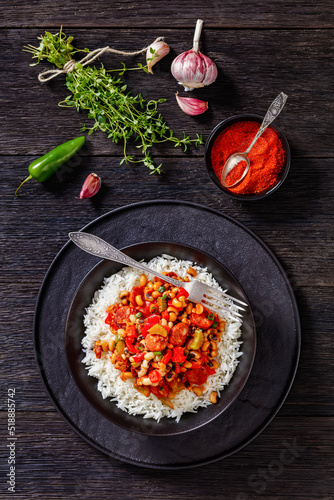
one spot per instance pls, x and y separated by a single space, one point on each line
144 311
155 376
131 331
151 320
177 369
165 315
167 357
204 358
160 391
130 346
108 319
182 293
209 371
196 364
138 357
201 320
98 350
178 355
136 290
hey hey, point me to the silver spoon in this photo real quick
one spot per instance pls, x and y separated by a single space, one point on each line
232 161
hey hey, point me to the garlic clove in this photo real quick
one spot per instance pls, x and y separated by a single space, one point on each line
192 106
155 52
90 187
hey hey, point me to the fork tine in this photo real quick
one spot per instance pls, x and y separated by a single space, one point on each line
218 294
214 291
215 307
225 313
218 298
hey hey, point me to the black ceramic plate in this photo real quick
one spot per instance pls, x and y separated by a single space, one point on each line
74 333
272 302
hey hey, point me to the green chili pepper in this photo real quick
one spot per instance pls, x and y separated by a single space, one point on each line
138 314
42 168
211 317
161 289
215 324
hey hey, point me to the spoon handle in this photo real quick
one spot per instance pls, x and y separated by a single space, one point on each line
273 111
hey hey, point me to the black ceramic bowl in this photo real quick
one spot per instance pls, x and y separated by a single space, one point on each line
74 333
213 136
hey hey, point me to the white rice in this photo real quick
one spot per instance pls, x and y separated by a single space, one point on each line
123 393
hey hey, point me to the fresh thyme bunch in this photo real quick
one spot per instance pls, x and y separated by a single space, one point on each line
114 110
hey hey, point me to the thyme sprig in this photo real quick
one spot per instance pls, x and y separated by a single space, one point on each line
115 111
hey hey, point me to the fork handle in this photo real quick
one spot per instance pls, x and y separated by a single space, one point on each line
96 246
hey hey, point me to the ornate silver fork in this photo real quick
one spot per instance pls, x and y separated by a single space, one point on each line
215 300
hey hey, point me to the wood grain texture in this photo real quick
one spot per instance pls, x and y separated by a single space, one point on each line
254 66
261 48
125 13
261 468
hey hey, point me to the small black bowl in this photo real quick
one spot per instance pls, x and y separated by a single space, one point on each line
213 136
74 333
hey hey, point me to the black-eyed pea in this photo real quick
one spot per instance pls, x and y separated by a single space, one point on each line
113 358
143 280
156 294
189 308
192 271
123 294
105 345
205 346
199 309
213 397
157 285
215 364
139 300
197 390
214 353
172 316
176 303
187 364
221 326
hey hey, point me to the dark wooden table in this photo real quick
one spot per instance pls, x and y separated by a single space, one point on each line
260 48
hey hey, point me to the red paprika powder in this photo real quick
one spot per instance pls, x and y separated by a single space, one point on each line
267 157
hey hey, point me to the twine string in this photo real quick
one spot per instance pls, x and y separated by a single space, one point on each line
71 65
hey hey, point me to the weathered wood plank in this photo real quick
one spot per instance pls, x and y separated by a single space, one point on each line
53 462
125 13
254 66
